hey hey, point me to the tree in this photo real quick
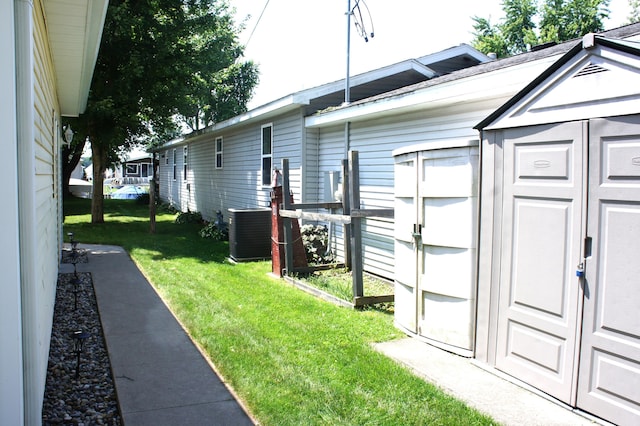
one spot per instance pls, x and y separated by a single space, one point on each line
161 63
560 20
634 15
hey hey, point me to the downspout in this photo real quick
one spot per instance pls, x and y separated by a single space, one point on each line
33 388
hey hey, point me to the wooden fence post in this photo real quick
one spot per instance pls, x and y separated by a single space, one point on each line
356 225
346 211
286 221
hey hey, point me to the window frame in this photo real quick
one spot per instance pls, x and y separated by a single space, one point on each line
185 162
219 148
266 174
129 169
175 170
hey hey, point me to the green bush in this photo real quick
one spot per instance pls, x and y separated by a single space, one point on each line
315 239
189 217
143 199
211 230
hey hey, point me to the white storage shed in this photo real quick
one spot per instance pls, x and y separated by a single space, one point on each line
558 291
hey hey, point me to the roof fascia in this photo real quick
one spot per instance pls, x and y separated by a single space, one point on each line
262 113
367 77
452 52
435 96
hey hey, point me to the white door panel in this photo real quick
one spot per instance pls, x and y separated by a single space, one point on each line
609 382
542 227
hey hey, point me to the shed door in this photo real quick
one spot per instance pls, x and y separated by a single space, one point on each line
609 382
541 237
406 241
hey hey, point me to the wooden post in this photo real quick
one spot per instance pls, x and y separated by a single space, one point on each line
286 221
346 211
356 225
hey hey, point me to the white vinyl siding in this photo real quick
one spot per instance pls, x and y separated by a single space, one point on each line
44 221
239 184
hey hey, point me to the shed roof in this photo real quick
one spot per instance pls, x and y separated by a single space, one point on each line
589 65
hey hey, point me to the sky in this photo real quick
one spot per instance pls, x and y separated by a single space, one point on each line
300 44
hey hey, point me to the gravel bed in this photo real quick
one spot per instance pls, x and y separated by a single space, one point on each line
89 399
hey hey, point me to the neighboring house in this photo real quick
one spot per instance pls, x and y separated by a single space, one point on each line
49 49
229 165
523 315
137 167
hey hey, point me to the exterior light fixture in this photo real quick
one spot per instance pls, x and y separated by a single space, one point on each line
79 338
68 135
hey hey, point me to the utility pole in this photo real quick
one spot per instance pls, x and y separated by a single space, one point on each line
347 88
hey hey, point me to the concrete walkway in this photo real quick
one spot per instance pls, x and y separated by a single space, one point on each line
161 377
504 401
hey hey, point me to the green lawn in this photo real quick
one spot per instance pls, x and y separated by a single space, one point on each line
293 359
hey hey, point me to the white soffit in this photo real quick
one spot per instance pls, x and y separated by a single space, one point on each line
75 29
597 82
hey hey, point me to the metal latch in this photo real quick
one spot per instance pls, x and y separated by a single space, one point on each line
587 254
417 234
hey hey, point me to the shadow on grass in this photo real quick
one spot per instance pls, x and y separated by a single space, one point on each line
127 225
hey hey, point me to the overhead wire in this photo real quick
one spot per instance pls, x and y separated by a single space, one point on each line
256 24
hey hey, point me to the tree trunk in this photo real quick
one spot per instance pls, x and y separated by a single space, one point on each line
152 196
99 159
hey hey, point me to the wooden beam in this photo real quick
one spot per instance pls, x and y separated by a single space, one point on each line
302 206
335 218
324 267
373 213
372 300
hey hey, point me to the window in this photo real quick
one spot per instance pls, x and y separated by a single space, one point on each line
175 174
132 169
267 155
219 152
147 170
184 164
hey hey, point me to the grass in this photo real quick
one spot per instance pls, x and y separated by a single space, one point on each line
293 359
339 282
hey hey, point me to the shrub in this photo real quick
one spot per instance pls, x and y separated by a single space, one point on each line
143 199
315 239
211 230
189 217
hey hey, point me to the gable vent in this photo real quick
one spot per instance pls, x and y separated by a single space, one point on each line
590 69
